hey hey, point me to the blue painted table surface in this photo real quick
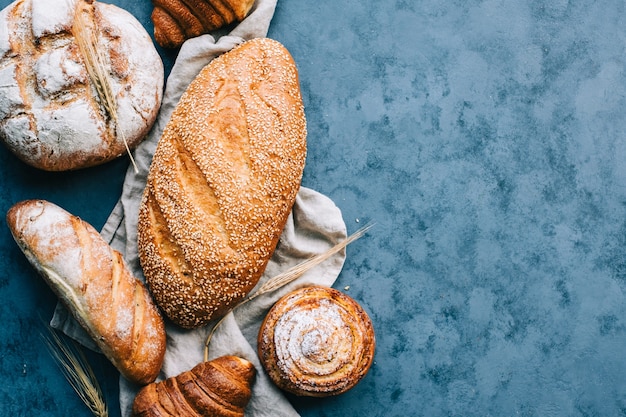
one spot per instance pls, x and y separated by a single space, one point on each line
486 140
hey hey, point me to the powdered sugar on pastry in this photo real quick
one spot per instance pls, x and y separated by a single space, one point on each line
316 341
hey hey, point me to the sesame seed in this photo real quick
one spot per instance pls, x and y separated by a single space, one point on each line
222 182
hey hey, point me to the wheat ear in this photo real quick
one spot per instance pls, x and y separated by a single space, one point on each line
288 276
78 372
98 74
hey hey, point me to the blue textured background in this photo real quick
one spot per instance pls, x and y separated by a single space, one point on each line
486 140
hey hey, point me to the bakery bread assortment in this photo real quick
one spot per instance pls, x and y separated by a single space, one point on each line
80 80
95 284
317 342
175 21
217 388
222 182
82 84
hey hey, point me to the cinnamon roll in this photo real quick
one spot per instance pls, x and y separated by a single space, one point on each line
317 342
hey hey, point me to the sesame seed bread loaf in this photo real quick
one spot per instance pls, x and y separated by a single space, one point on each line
79 78
222 183
95 284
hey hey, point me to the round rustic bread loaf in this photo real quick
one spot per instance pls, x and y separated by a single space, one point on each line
79 78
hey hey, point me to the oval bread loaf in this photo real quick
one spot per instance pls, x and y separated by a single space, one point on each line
222 183
95 284
79 78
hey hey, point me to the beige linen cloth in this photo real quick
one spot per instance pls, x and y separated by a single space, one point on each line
314 226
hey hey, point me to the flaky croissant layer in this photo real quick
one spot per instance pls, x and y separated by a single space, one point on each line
217 388
175 21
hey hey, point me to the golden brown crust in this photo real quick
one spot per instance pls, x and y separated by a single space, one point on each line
316 341
218 388
167 33
222 183
187 21
95 284
191 18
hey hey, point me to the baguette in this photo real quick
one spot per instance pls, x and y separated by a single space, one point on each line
95 284
222 183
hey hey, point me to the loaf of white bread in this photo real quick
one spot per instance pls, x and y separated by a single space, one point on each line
222 183
81 79
95 284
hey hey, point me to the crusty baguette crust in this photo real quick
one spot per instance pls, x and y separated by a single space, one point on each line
93 281
316 342
222 183
218 388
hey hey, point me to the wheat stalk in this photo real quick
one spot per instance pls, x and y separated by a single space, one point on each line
78 372
94 63
295 272
288 276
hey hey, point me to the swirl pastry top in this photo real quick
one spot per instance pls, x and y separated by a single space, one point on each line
316 341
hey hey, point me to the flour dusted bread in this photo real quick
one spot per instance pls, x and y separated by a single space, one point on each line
222 183
52 112
175 21
317 342
93 281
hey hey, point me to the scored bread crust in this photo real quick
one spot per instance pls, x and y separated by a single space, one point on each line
222 183
51 113
95 284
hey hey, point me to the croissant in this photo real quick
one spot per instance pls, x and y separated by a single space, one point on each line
217 388
175 21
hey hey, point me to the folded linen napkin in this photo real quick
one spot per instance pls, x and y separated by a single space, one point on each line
314 226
